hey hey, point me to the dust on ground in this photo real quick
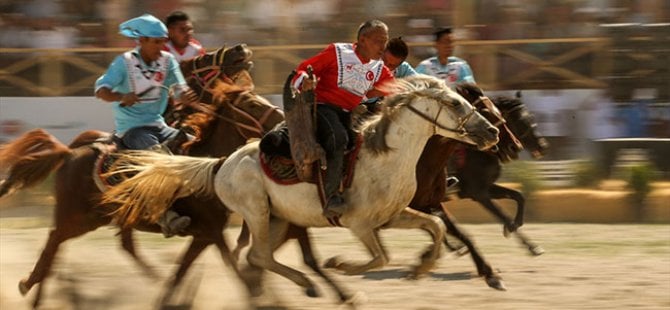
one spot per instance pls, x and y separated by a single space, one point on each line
586 266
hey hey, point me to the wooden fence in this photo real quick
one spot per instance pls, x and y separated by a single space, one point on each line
499 64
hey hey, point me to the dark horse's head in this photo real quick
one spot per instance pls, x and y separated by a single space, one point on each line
516 116
523 125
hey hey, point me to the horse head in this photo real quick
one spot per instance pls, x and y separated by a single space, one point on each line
509 147
522 123
225 64
235 60
460 119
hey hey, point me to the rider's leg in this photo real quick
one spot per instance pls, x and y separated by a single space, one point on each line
150 138
333 136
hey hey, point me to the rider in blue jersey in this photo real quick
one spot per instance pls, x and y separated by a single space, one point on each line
449 68
137 83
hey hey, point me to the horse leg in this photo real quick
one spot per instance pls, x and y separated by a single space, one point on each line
500 192
264 239
533 248
43 266
369 238
302 235
410 218
128 244
242 241
483 268
194 249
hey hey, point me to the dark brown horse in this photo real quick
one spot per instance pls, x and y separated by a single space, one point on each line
477 177
235 116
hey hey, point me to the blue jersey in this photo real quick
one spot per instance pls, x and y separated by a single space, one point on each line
151 79
455 71
403 70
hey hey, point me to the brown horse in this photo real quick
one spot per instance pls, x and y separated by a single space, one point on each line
478 176
236 115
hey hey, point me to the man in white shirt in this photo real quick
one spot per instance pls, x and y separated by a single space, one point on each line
181 43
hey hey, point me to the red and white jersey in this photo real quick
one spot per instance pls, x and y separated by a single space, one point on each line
343 76
193 49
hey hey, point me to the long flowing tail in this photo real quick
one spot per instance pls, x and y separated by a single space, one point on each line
158 180
30 159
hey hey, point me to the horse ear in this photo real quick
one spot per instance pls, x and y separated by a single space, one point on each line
518 94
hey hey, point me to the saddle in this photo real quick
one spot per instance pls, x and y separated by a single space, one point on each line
278 164
107 159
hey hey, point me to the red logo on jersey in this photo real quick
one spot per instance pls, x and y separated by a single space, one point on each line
159 77
369 76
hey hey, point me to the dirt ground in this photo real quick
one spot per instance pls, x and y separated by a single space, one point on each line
586 266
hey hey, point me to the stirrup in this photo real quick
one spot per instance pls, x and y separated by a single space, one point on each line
451 186
335 207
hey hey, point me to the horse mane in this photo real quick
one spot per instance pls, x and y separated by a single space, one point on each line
404 91
507 103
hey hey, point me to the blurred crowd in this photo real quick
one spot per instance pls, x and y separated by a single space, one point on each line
93 23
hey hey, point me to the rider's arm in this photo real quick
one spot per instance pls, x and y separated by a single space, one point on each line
378 88
109 87
320 64
175 79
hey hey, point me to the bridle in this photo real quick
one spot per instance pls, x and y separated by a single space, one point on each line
215 71
459 130
486 103
524 115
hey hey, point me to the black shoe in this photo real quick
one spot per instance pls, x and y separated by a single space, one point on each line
172 223
335 207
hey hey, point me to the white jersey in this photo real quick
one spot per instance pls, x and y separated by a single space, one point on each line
354 76
193 49
146 79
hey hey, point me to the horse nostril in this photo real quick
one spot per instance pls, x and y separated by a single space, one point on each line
493 130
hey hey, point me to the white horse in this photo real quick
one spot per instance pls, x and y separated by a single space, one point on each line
382 187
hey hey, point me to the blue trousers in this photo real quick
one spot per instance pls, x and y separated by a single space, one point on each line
142 138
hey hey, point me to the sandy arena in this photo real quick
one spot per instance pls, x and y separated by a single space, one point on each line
585 266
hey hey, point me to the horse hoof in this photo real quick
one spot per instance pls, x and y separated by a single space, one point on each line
332 262
23 287
496 283
462 251
506 232
312 292
357 298
536 250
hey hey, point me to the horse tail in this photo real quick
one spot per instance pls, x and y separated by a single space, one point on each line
158 180
30 159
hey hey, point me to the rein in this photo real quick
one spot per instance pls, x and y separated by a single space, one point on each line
257 126
460 129
520 108
486 102
206 81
